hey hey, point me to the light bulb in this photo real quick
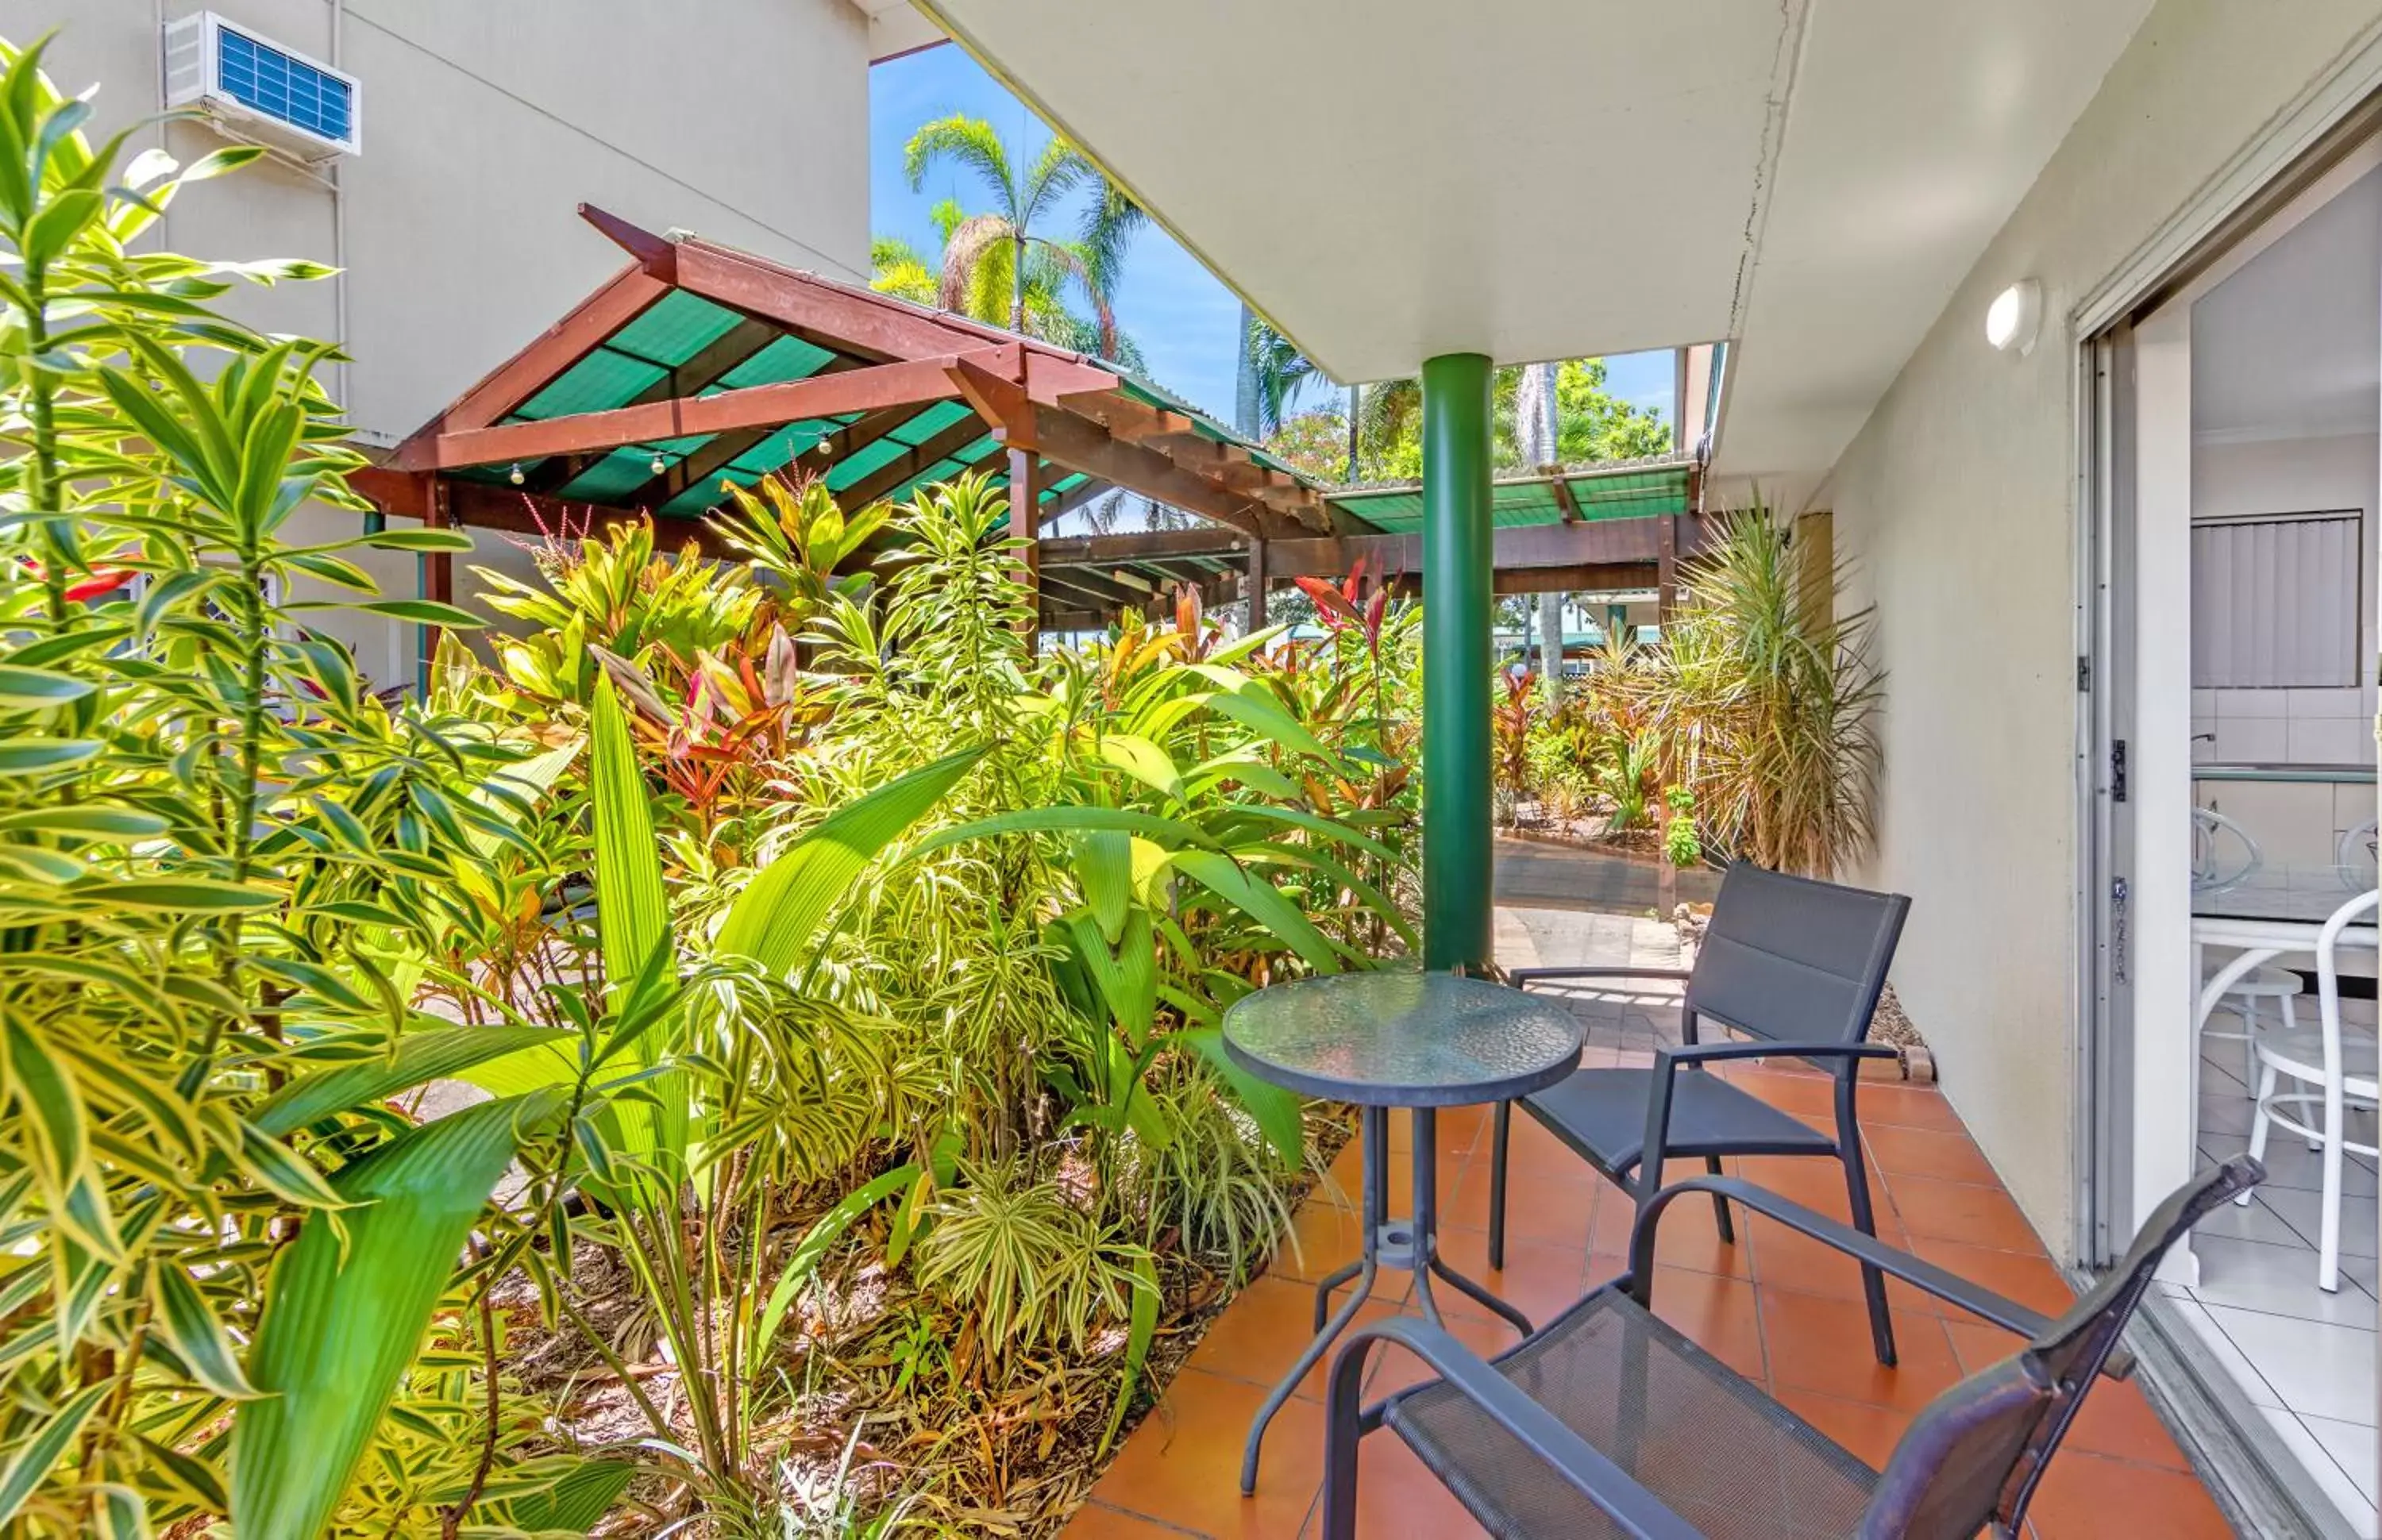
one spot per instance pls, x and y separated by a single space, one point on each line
661 466
515 475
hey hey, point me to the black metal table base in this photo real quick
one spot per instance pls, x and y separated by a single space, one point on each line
1411 1243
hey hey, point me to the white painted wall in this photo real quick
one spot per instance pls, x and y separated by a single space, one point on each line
483 127
1957 504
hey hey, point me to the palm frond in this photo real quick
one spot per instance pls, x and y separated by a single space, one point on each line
1071 261
1057 171
970 142
1281 374
964 254
1110 223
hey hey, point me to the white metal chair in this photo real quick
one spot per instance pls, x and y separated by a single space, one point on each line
2355 856
2224 853
2339 1065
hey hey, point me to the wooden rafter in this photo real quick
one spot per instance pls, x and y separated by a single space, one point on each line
912 383
720 357
724 450
1080 445
886 478
1178 437
1114 550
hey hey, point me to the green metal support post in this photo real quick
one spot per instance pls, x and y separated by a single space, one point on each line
1458 556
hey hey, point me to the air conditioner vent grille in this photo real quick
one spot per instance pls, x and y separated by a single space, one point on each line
261 76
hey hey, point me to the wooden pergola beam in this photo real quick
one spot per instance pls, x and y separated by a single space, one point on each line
724 451
478 506
1094 586
1080 445
1075 620
1074 497
1592 543
1178 437
1112 550
720 357
912 383
1591 577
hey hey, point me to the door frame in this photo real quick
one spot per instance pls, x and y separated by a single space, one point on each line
2130 1136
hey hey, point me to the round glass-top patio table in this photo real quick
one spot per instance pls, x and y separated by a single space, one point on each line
1386 1038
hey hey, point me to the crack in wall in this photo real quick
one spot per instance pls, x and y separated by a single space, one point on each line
1785 62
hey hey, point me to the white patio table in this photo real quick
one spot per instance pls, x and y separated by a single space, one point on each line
2275 910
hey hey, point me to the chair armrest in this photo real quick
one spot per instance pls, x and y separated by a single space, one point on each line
2007 1314
1633 1509
1522 977
1655 1147
1753 1048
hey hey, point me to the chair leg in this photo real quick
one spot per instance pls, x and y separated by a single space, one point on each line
1881 1320
1500 1135
1344 1430
1720 1205
2291 1023
2327 1265
2259 1125
2249 1038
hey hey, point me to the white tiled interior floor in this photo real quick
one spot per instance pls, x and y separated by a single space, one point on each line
2303 1357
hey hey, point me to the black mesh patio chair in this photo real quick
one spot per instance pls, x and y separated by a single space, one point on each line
1794 965
1607 1423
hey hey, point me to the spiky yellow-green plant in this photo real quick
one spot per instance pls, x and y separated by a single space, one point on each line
1767 704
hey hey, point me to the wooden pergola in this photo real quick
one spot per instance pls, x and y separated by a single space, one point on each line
697 366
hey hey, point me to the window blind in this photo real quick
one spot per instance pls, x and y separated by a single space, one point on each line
2275 601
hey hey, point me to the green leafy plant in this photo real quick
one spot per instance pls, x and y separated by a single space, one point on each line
221 857
1681 845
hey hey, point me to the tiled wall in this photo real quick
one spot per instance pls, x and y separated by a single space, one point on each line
2283 727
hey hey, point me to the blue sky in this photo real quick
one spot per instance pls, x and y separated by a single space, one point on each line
1182 318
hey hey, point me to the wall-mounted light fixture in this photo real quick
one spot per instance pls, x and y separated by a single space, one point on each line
2014 317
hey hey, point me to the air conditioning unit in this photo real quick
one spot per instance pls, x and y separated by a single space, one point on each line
258 91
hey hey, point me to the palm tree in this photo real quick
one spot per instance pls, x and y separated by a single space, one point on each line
1005 249
1276 373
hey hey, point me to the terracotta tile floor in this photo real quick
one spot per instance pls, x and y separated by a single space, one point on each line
1778 1307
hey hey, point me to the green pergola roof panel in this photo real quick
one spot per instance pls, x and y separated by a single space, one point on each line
786 445
789 358
599 382
1631 491
616 475
673 329
865 461
930 421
